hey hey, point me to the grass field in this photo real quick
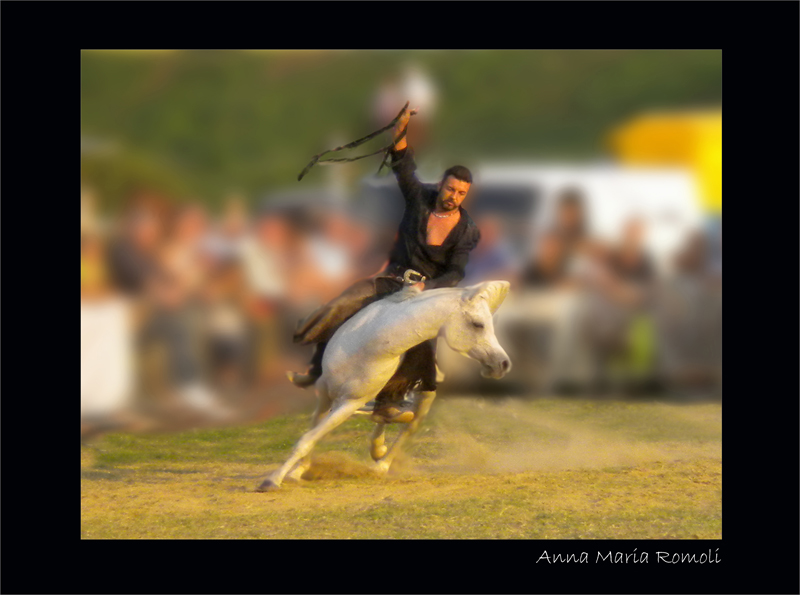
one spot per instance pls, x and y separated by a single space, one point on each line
507 469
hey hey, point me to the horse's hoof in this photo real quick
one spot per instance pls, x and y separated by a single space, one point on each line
268 486
380 469
378 452
295 476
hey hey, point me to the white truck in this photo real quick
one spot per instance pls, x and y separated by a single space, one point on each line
526 196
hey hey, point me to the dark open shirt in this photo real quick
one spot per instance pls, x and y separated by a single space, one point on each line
442 265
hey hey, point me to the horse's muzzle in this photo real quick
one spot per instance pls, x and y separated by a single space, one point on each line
496 370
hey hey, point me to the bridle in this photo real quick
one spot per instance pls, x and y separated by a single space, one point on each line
385 150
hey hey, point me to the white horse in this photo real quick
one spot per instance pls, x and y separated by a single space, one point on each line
367 350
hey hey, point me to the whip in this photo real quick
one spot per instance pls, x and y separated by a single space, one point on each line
361 141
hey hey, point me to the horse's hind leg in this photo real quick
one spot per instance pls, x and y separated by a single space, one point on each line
340 412
424 402
377 448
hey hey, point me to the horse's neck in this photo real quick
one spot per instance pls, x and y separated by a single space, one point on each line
420 319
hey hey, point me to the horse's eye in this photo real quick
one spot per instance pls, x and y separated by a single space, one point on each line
477 324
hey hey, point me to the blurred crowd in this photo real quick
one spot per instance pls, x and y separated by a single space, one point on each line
597 314
183 306
203 305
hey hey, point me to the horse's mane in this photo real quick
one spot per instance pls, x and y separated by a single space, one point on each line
406 293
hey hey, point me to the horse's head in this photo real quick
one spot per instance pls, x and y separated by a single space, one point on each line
469 330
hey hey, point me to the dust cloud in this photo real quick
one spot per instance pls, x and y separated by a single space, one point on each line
483 436
508 437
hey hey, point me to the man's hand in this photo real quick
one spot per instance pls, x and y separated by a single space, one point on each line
400 126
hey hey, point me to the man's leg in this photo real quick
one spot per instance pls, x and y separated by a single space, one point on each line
382 464
418 369
324 322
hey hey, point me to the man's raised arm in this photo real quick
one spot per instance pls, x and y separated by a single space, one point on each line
403 164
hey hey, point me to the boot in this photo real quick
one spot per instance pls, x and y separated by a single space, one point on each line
389 411
314 370
391 414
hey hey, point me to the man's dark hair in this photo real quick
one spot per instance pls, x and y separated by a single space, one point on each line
459 172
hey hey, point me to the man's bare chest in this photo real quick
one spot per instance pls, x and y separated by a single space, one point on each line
440 227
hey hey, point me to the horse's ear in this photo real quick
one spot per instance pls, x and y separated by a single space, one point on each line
494 292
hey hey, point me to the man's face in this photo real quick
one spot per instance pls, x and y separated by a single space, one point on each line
452 193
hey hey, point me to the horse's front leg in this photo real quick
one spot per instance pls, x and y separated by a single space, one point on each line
424 402
342 409
323 408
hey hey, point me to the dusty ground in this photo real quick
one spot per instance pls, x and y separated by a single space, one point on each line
533 469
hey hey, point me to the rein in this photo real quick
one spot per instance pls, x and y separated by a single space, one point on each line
385 150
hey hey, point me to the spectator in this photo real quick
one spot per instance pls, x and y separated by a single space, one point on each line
181 258
222 244
132 258
607 333
565 258
330 252
308 283
571 223
618 321
226 326
263 253
419 90
629 261
106 354
493 257
387 101
361 240
416 87
689 310
176 320
547 268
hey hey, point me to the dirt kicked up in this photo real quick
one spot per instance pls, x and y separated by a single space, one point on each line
506 469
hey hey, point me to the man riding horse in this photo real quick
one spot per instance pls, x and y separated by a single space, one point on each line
433 242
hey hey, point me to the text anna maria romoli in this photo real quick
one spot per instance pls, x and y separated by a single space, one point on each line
634 557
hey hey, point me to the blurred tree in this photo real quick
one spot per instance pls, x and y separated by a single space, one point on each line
253 119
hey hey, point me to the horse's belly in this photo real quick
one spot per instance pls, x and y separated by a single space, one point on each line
356 377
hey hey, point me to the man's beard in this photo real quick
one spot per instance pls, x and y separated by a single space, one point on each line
448 205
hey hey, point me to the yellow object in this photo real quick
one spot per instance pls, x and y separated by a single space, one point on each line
691 139
93 275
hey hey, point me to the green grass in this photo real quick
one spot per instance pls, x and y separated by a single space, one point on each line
546 469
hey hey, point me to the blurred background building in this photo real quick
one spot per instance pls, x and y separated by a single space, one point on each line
598 191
